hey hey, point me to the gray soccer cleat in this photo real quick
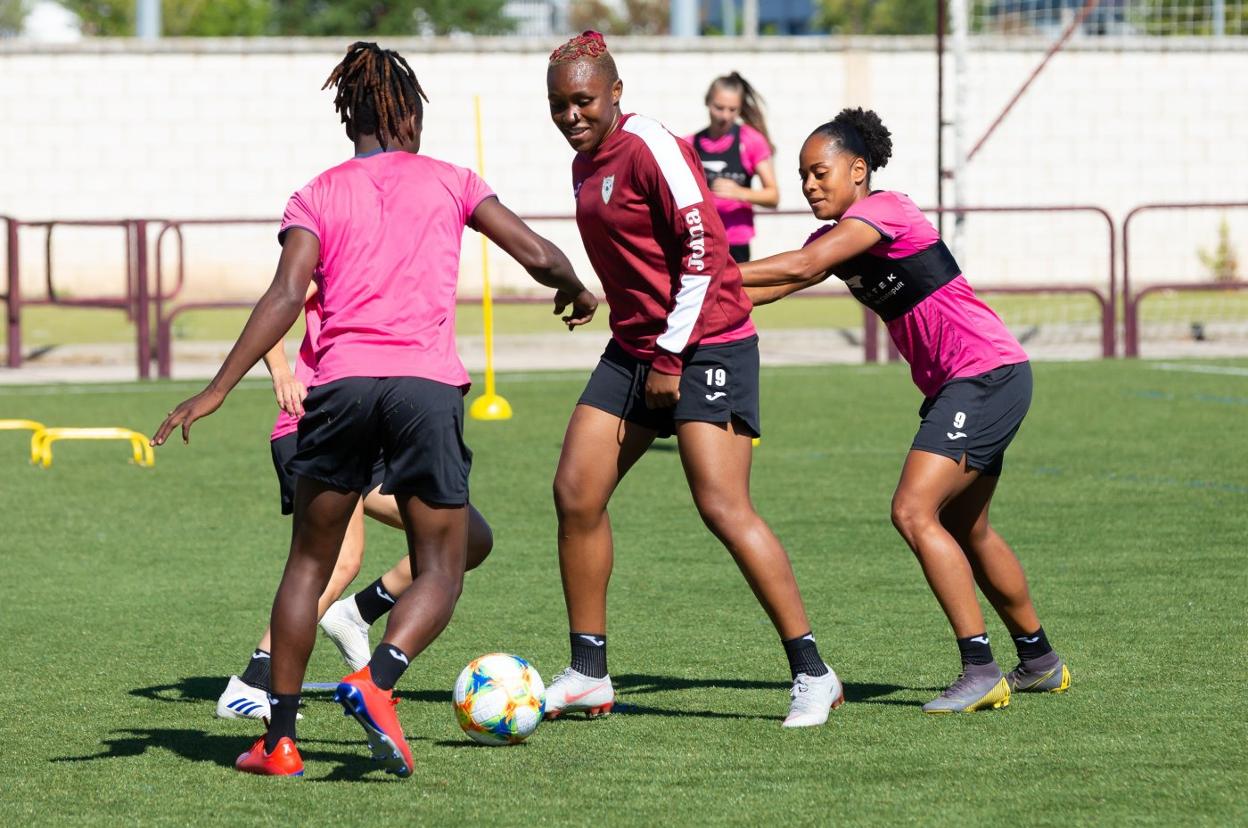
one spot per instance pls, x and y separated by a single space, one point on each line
980 687
813 697
1047 674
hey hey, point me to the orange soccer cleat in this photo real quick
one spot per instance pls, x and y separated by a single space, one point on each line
283 761
373 708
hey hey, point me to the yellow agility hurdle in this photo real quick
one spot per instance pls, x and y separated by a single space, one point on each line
41 443
24 425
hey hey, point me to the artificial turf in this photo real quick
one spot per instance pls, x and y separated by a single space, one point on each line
131 594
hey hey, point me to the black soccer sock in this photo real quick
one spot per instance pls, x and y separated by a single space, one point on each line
373 601
589 654
1031 646
804 656
975 650
283 710
387 665
257 672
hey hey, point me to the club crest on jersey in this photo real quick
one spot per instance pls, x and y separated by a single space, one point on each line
608 185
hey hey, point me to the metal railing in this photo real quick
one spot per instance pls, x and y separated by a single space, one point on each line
1131 302
141 301
134 302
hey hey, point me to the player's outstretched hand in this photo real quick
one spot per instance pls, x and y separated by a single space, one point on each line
662 390
187 412
583 306
290 394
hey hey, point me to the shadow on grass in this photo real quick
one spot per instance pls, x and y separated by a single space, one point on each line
634 684
195 689
352 761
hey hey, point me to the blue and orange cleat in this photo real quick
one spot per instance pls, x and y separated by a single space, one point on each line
283 761
373 708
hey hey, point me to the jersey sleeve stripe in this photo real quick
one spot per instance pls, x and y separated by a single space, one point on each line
672 164
684 316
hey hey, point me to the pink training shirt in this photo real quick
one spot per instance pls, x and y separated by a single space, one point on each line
390 226
951 333
737 216
305 362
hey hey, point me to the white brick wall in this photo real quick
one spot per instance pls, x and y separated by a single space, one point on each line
231 128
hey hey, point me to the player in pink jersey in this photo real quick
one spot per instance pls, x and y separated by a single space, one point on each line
683 359
976 380
346 622
733 154
381 235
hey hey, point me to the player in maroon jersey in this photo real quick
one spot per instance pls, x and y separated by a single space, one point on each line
683 360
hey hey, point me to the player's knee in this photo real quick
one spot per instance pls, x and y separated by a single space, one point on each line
573 503
720 515
909 515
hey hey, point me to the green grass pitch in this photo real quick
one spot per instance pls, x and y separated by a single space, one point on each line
130 594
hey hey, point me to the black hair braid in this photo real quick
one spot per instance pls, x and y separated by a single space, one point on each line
861 132
377 92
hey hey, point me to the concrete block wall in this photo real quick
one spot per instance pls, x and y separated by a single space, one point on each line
197 129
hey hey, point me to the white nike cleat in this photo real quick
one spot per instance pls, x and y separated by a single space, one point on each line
813 697
242 701
344 626
573 692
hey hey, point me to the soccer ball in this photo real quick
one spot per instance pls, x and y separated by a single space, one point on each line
499 699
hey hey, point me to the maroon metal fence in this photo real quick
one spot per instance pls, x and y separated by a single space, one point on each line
133 302
140 300
165 318
1131 302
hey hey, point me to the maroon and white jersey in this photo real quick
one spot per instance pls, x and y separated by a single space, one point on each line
655 240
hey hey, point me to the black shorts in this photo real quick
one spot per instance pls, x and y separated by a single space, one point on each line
719 382
739 252
976 416
284 448
416 424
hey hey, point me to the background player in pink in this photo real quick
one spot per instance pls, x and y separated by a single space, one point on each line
734 148
381 234
976 380
346 621
683 359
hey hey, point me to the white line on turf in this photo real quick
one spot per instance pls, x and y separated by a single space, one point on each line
1182 368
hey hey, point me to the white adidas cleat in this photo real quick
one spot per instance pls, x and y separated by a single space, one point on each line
242 701
813 697
573 692
344 626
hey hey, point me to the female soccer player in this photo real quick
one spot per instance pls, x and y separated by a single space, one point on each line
345 622
976 380
683 359
732 154
381 234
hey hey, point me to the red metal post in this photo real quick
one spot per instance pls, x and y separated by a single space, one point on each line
164 360
870 336
142 309
1109 307
14 299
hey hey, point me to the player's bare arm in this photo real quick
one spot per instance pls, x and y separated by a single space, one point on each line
272 317
288 390
818 259
544 261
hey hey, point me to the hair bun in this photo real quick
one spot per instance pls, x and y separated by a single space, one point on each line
875 136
